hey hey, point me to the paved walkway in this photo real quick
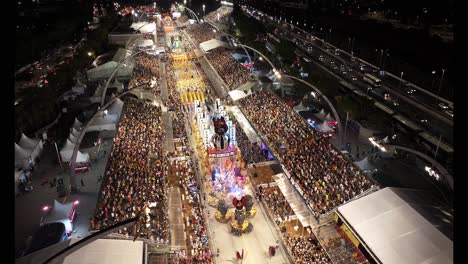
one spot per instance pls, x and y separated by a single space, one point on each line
176 221
168 133
163 84
296 201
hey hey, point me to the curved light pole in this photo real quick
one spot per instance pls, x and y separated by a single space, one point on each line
332 107
83 132
193 13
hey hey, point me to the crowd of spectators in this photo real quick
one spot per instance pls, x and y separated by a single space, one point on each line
201 252
201 32
251 152
134 178
276 202
146 70
326 178
307 250
232 72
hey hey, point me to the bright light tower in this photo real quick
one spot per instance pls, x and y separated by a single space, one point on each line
203 9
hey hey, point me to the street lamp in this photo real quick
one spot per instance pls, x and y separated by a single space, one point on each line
203 9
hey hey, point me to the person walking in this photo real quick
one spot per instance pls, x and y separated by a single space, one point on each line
82 183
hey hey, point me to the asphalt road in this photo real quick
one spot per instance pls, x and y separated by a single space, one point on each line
420 105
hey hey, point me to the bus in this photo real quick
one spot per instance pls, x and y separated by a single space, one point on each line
372 80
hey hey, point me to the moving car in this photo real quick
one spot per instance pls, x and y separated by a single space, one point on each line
449 112
443 106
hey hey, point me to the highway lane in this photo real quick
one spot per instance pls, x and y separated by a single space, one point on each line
419 106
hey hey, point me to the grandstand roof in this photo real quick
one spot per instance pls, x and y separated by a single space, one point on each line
402 226
213 44
102 251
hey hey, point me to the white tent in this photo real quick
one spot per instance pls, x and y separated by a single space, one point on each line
101 123
33 145
67 151
28 143
324 127
72 138
321 114
59 213
75 132
22 157
329 118
77 124
82 157
396 227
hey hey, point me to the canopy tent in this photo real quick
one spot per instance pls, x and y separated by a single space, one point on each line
59 213
321 114
213 44
300 107
28 143
104 122
105 70
79 87
67 151
75 132
82 157
401 226
24 157
329 118
72 138
324 127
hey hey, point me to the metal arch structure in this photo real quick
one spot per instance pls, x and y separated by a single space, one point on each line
83 132
113 73
442 170
193 13
332 107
